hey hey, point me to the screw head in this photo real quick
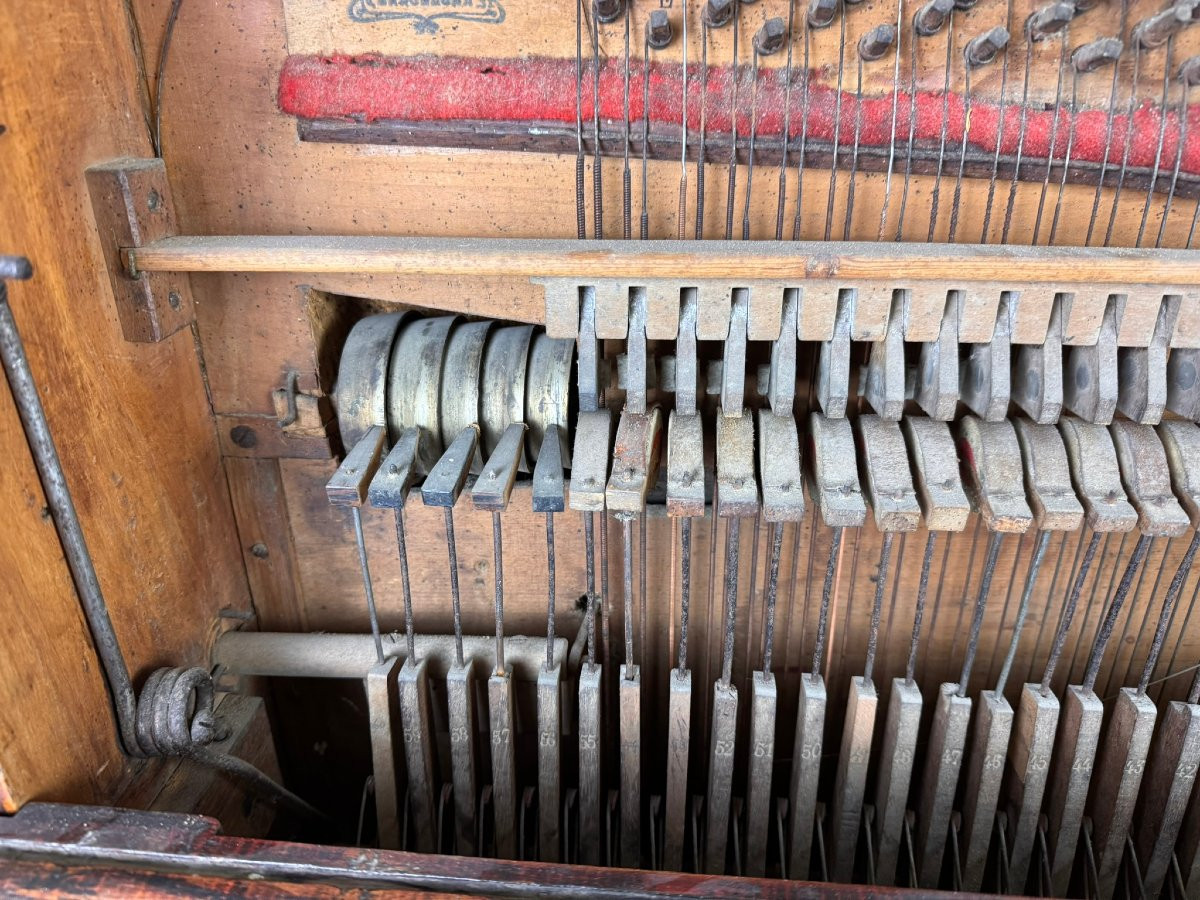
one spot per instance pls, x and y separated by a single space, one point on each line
932 16
876 42
770 38
174 300
608 10
821 13
243 436
658 29
718 13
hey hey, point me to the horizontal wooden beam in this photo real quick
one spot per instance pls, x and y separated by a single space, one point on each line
894 264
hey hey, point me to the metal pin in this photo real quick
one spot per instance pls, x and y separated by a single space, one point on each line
626 177
589 474
580 210
1168 64
389 490
1134 89
1063 56
603 10
658 37
927 21
731 184
681 230
804 79
837 112
736 496
871 47
785 140
763 700
348 488
987 762
701 156
441 488
1073 752
635 467
1174 756
979 51
1189 76
491 492
899 742
891 160
937 182
549 496
1002 98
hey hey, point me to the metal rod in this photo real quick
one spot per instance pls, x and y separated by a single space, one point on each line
835 547
772 593
1063 55
1162 133
580 204
891 160
550 591
62 510
368 588
455 596
1168 609
597 167
937 180
402 552
731 185
885 556
837 128
685 571
683 135
910 668
732 548
1133 101
627 569
985 587
787 124
498 562
1035 566
1114 610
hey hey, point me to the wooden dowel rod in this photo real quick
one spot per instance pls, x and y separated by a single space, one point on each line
895 264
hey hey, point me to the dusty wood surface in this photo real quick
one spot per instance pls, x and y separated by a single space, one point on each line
132 423
899 264
69 848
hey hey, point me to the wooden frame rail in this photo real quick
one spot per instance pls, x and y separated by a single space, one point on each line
897 264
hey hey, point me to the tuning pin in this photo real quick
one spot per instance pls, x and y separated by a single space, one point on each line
930 18
608 10
1094 54
1189 71
983 49
658 29
876 42
821 13
770 37
1191 7
718 13
1049 20
1155 30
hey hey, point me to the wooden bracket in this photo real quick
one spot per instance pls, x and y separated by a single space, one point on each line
131 201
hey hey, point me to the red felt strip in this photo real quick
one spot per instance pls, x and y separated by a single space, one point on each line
437 88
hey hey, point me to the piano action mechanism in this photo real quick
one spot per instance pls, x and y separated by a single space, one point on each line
758 441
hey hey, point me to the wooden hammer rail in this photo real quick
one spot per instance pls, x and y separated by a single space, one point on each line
1086 279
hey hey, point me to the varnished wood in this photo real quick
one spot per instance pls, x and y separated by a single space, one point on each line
132 422
898 264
